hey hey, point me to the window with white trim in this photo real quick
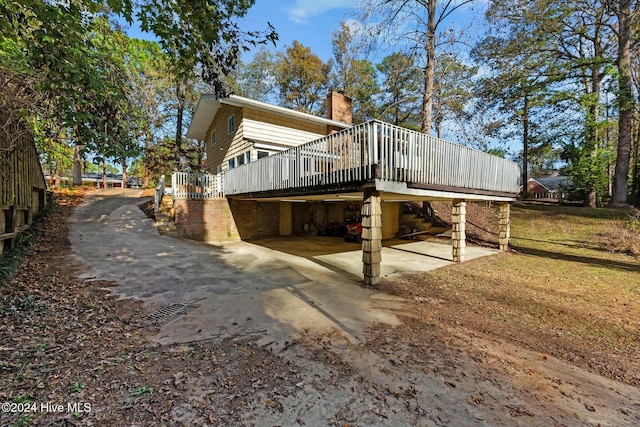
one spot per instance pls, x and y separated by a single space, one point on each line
231 124
213 138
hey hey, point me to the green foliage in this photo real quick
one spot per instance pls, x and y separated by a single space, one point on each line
353 73
141 390
257 79
399 101
199 33
453 88
302 78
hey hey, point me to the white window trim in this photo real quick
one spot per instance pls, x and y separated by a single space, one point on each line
231 124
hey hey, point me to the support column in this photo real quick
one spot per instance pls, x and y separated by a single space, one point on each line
458 235
505 226
371 237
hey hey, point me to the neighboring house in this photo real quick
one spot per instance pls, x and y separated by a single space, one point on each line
239 130
554 187
95 180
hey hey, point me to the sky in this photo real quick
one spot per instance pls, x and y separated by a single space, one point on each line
312 22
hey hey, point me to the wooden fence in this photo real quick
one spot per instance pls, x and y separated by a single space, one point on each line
22 185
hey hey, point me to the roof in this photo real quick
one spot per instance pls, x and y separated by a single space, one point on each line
555 182
208 108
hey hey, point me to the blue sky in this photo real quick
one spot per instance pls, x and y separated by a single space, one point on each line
311 22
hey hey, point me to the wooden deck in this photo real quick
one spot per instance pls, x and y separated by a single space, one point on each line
396 159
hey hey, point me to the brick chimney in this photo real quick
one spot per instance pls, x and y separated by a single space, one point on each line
339 107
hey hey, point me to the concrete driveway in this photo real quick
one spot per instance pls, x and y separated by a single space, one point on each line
236 288
285 287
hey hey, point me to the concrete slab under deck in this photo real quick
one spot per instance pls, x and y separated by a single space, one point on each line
398 256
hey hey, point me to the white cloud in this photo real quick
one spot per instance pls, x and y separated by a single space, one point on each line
302 10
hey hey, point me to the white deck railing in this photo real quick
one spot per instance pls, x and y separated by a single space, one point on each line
187 185
376 150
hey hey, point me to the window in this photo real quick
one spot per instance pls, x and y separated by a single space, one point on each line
262 154
219 169
247 157
240 160
232 124
213 138
232 163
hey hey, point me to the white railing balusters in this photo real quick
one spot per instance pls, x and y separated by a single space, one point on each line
399 154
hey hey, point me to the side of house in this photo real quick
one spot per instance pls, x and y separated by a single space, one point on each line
239 130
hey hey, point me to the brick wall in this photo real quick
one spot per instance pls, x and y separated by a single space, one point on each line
255 220
205 220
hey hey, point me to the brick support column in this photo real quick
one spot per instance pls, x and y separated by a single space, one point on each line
505 226
371 237
458 235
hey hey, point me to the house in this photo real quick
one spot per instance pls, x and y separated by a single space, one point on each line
280 172
554 187
239 130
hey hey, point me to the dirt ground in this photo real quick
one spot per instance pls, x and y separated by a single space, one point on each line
64 340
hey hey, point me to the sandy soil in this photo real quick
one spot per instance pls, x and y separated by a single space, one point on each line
72 342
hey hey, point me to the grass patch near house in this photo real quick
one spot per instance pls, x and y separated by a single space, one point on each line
561 291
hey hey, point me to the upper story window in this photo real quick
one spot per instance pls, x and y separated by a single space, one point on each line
232 124
213 137
262 154
219 169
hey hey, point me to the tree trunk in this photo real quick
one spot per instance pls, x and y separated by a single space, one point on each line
625 102
56 177
77 165
104 172
147 153
429 71
124 173
525 147
181 96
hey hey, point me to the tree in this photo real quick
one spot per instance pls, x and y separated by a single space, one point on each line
202 34
625 103
419 20
302 78
257 79
399 101
570 46
146 67
453 84
353 74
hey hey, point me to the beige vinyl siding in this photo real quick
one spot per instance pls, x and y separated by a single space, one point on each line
281 130
255 125
227 144
277 134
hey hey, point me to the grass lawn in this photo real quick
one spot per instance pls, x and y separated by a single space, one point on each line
557 291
